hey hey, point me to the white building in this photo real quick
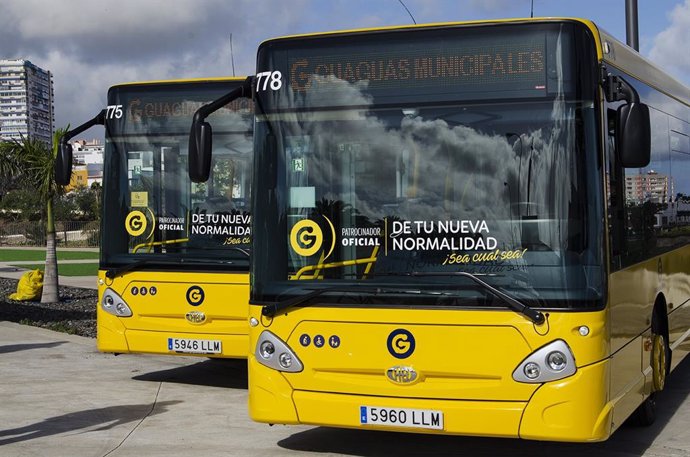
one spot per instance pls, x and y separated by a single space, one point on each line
86 152
26 101
648 187
88 155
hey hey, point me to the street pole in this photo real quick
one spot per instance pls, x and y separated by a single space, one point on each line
632 37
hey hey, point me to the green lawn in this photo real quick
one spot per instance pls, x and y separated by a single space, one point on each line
9 255
67 269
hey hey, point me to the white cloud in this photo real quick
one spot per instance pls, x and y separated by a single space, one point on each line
103 18
81 88
90 45
670 46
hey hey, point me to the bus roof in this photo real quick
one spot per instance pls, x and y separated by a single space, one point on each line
625 58
609 50
182 81
586 22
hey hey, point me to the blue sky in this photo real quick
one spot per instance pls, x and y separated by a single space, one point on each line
609 14
90 45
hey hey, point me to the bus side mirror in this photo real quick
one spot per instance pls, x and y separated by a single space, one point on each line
634 135
63 164
200 137
200 144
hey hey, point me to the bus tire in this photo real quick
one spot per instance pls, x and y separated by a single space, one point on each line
645 414
660 360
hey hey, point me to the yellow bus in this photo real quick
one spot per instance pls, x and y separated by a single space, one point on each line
173 276
474 228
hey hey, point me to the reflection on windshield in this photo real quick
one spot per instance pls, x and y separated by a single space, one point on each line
151 208
492 189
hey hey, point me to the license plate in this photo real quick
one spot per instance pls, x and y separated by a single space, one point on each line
401 417
190 346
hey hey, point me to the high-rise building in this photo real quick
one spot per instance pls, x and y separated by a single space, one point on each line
26 101
648 187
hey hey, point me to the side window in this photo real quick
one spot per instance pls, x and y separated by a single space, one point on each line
615 194
675 220
649 192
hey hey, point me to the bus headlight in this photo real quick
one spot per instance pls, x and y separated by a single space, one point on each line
548 363
274 353
113 304
266 350
557 361
285 360
531 370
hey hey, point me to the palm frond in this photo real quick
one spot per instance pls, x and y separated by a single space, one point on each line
35 160
9 159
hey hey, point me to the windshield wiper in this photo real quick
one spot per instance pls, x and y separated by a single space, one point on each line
272 310
242 251
115 272
112 273
532 314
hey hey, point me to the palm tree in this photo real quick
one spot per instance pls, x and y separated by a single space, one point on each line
36 162
9 167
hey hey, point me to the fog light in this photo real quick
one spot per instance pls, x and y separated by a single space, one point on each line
557 360
532 370
285 360
253 322
584 330
266 350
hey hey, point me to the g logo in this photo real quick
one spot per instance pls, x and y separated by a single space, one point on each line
195 295
135 223
306 238
401 343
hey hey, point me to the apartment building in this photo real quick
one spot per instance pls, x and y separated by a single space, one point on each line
648 187
26 101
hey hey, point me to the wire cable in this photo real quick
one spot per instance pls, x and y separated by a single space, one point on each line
408 12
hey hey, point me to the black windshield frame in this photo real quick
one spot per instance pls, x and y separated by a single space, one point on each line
151 129
270 282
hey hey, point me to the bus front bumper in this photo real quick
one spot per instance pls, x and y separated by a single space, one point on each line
574 409
113 337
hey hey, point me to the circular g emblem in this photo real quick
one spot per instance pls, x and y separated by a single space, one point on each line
306 238
135 223
401 343
195 295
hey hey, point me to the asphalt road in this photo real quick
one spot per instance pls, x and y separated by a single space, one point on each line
60 397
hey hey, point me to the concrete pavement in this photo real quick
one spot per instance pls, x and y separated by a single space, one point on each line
60 397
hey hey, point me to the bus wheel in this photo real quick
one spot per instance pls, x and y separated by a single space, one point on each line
659 362
645 414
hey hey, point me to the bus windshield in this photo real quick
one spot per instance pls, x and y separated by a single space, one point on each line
153 214
456 151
